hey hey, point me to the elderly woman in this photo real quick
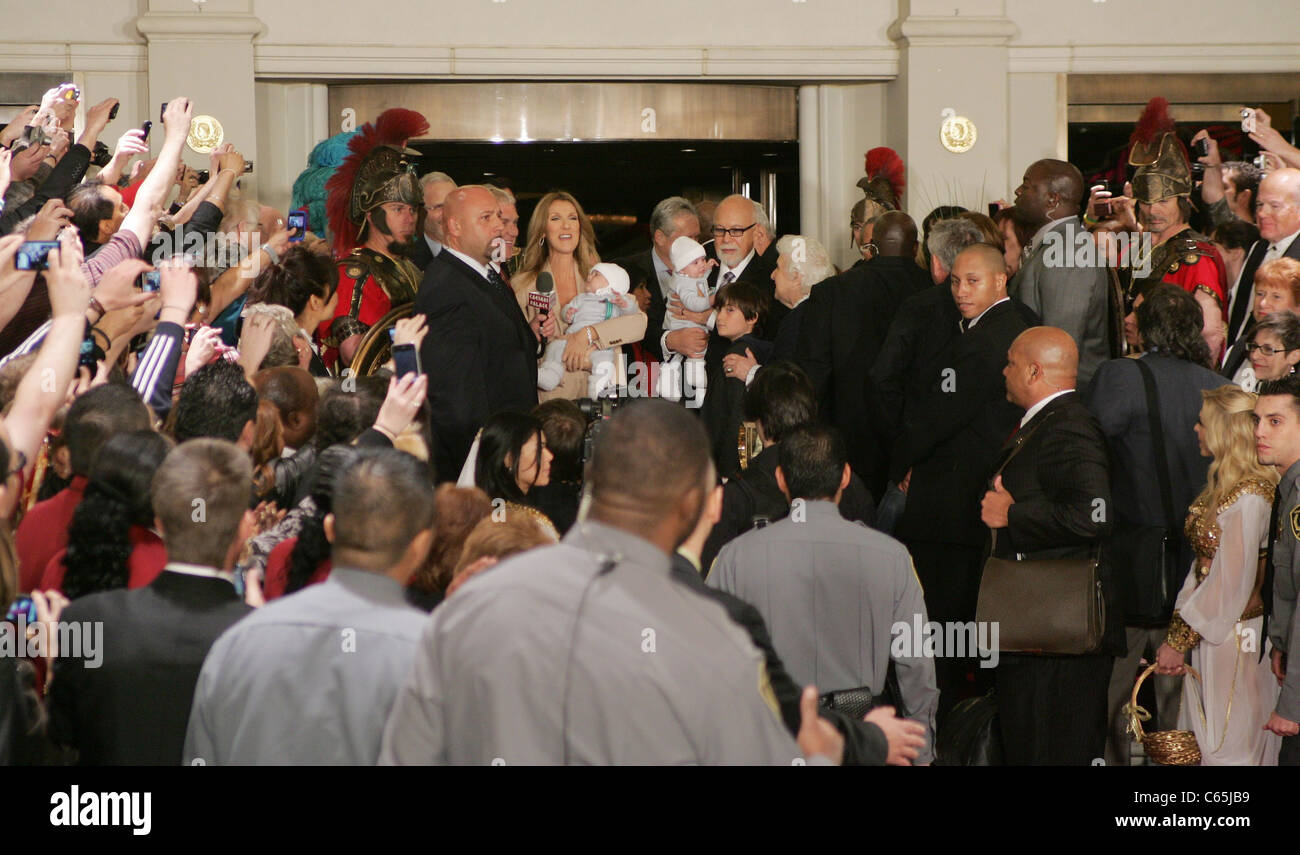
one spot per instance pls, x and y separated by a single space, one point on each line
803 262
1275 347
560 242
1277 289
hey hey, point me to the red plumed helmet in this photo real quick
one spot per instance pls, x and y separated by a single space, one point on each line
379 169
885 179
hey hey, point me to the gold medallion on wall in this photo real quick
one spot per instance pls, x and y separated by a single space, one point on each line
957 133
205 135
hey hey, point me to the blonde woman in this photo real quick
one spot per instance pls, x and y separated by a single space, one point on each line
1218 615
561 242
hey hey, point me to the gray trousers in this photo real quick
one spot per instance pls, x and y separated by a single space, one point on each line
1142 643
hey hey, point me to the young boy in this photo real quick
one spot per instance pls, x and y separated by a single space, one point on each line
690 282
605 295
739 306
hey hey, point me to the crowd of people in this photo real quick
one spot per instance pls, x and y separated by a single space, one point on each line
392 495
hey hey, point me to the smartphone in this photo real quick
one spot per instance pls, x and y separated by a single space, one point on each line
407 360
87 355
112 114
23 607
298 223
152 281
162 111
33 255
1203 147
248 166
993 209
144 135
1247 120
204 175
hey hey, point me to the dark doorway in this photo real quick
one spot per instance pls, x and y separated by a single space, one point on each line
619 183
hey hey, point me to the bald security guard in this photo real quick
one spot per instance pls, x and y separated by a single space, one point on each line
1277 440
589 652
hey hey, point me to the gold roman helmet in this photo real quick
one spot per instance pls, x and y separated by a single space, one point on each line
1162 167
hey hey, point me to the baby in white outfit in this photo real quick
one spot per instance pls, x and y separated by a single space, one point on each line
604 296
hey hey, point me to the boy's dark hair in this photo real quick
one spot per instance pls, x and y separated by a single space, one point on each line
98 415
564 427
215 402
752 302
781 399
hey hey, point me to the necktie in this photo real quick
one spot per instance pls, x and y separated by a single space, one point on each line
728 278
963 325
499 283
1266 590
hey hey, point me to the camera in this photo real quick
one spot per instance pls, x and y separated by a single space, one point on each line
1203 147
33 255
101 156
597 411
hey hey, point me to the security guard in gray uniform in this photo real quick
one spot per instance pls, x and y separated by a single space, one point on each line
1277 438
589 652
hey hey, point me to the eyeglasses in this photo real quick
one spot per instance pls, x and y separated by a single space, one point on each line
718 231
1267 349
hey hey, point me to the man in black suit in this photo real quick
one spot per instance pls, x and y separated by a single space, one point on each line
479 352
1278 213
1052 500
847 318
672 218
955 421
132 707
1168 321
734 226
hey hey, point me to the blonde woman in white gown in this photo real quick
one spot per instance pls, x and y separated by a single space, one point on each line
1218 615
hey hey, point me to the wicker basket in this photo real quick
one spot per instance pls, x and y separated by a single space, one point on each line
1166 747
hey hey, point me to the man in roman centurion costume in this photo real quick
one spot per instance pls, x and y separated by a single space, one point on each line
376 213
1162 186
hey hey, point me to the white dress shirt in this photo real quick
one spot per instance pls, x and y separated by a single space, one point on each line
434 246
1037 408
1279 249
474 264
975 320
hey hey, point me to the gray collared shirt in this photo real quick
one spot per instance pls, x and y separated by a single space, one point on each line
586 652
831 593
308 679
1282 627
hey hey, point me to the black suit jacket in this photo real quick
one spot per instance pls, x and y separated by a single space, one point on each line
953 428
785 346
724 400
759 274
1242 297
1059 480
864 744
134 708
846 320
654 328
479 353
1237 353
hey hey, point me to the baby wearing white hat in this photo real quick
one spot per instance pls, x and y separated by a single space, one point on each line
690 282
604 296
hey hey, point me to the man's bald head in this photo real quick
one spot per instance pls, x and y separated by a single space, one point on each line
894 234
1277 204
650 469
1041 362
736 212
471 219
1064 179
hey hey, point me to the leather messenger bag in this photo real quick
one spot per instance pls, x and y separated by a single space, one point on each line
1042 606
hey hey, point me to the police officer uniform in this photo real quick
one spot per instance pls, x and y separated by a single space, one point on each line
1281 613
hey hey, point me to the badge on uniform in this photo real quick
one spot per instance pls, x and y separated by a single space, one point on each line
1295 522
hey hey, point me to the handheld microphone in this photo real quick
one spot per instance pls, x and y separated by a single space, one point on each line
542 294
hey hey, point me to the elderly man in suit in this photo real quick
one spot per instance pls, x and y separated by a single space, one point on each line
1063 292
133 708
957 417
435 186
1176 354
672 218
479 352
735 227
1278 213
1044 504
